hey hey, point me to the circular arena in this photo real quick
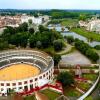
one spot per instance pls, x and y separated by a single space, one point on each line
23 70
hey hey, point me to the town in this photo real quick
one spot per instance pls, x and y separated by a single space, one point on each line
49 54
15 21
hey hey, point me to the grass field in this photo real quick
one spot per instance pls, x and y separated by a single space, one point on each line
90 35
71 92
84 85
69 22
51 94
88 98
91 77
31 97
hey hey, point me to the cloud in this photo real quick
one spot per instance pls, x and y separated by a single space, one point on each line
50 4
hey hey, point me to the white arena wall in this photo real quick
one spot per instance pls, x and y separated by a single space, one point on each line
26 56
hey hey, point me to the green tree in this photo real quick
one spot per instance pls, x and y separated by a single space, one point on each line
9 30
31 30
30 21
33 40
38 44
4 45
97 47
19 39
36 15
23 27
65 78
92 55
58 45
42 28
86 49
70 39
82 17
56 58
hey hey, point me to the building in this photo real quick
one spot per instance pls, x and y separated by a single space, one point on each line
94 25
15 21
83 24
25 18
19 81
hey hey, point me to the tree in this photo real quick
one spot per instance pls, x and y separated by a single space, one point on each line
36 15
4 45
19 39
38 44
33 40
30 21
42 28
92 55
58 45
82 17
9 30
31 30
45 41
56 58
65 78
63 29
23 27
70 39
86 49
97 47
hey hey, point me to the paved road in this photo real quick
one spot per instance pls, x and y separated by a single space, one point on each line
75 58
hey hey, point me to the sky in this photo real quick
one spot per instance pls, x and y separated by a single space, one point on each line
50 4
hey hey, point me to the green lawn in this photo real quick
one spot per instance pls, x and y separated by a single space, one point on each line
87 34
89 98
52 95
91 77
49 50
31 97
69 22
71 92
84 85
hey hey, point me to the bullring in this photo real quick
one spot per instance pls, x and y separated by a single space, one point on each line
22 70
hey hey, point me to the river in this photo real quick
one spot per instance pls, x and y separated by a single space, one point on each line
75 35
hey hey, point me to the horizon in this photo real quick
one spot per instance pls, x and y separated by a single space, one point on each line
49 9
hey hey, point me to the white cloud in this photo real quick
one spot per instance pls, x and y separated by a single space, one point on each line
47 4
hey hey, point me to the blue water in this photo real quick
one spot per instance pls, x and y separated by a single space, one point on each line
75 35
93 43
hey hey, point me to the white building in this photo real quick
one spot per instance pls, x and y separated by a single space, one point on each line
35 20
82 24
94 25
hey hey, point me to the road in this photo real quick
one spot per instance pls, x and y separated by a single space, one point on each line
75 58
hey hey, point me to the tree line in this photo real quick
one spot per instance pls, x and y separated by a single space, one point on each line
83 47
23 35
